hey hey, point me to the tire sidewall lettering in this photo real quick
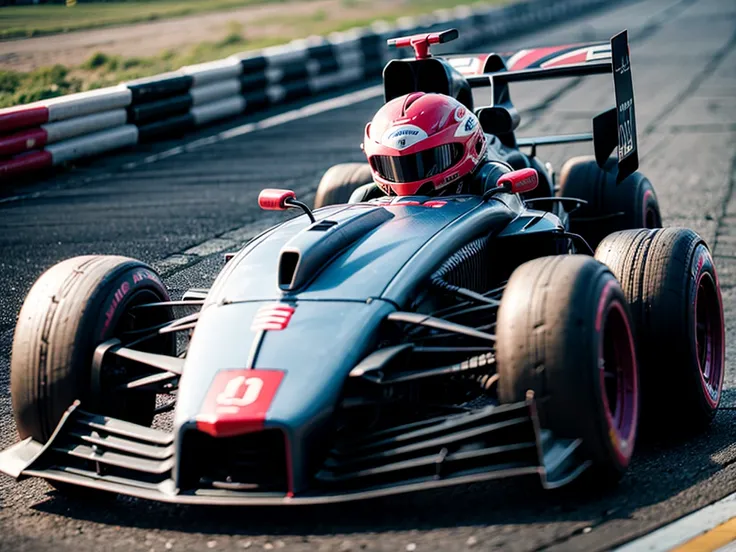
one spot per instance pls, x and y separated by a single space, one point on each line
125 286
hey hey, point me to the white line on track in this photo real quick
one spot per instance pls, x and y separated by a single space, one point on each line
280 119
684 529
10 199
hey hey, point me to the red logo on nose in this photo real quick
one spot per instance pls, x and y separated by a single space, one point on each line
238 401
272 317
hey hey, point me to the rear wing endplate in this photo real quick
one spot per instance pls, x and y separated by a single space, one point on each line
621 120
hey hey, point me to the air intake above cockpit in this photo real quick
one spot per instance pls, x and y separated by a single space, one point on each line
308 252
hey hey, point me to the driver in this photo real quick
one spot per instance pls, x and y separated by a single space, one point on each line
429 144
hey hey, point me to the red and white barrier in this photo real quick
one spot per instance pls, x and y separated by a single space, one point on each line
22 141
27 162
215 111
35 138
214 71
63 130
85 103
215 91
13 118
93 144
57 130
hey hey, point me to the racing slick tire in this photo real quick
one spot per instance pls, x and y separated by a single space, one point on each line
71 309
339 183
563 331
611 206
671 285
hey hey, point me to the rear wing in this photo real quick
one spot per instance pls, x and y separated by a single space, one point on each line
614 128
532 58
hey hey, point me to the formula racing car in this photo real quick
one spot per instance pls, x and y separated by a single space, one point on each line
391 341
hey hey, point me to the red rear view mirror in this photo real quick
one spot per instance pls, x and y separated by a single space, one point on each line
519 182
272 199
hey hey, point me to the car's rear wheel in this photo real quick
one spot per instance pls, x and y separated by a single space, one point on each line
563 332
339 183
611 206
71 309
671 285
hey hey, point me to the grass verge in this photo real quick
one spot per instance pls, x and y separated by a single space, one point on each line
29 21
101 69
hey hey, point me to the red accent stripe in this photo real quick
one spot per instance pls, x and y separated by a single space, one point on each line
582 57
408 203
14 118
25 163
435 203
25 140
535 55
272 326
265 318
272 317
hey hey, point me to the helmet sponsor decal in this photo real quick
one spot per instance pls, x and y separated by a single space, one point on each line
460 113
402 137
468 126
450 178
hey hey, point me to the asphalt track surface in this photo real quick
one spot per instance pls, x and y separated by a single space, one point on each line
181 210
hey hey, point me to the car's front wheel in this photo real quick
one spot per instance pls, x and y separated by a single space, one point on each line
71 309
563 332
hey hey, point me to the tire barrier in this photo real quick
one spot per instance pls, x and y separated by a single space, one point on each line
55 131
60 130
160 106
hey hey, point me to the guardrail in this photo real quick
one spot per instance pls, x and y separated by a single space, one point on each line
60 130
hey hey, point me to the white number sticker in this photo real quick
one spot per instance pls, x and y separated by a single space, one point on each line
240 391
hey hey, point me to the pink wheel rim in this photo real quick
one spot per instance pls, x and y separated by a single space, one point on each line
651 219
709 338
619 380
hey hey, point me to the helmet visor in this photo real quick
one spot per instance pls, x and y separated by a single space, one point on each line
417 166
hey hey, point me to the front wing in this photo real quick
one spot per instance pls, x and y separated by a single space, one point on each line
116 456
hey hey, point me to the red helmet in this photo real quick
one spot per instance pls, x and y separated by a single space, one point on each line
422 141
